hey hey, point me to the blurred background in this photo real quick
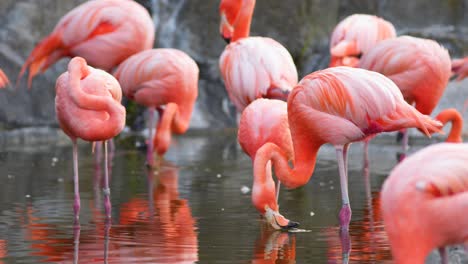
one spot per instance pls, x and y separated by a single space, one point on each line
302 26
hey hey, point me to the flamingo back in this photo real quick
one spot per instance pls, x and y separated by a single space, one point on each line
351 104
421 68
256 67
159 76
263 121
357 34
87 103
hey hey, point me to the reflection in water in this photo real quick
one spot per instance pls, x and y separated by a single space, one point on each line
367 240
3 250
166 236
274 246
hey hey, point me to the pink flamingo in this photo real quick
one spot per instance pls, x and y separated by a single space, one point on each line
460 68
263 121
252 67
339 106
421 68
87 104
166 80
455 118
356 35
103 32
3 79
424 201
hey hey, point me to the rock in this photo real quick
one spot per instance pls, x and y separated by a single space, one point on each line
302 26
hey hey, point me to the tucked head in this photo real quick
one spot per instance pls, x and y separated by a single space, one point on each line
235 18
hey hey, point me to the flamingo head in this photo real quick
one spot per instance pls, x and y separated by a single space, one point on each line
345 53
229 11
278 221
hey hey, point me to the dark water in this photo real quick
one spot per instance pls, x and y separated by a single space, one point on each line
190 210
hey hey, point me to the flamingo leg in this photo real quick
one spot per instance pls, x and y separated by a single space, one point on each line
278 185
76 205
345 245
150 149
443 255
405 140
76 242
107 203
345 212
106 240
366 154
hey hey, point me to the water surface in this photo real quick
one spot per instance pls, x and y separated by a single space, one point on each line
190 209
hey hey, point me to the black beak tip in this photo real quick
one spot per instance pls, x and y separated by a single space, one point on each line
228 40
290 225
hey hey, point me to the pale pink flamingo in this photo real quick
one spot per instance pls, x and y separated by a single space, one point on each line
87 104
339 106
356 35
263 121
3 79
165 80
460 68
104 33
421 68
252 67
424 202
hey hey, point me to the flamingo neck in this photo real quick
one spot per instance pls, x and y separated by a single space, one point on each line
170 121
453 116
243 21
304 164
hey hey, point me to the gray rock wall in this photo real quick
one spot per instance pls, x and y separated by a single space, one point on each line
303 26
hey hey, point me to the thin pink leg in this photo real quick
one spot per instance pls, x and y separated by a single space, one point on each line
444 259
345 245
405 140
345 212
278 185
107 203
150 149
76 242
106 240
366 154
76 205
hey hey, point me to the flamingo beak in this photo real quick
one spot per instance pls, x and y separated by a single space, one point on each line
279 222
225 28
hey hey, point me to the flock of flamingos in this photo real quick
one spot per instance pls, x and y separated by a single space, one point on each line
377 82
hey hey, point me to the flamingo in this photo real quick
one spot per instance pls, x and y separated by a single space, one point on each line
252 67
104 33
263 121
424 201
453 116
3 79
87 104
460 68
421 68
339 106
356 35
166 80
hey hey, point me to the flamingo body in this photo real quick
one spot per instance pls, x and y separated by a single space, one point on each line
103 32
356 35
421 68
424 201
257 67
166 79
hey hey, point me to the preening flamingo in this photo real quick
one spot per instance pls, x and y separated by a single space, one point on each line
87 104
455 118
3 79
252 67
424 202
421 68
339 106
356 35
104 33
460 68
166 80
263 121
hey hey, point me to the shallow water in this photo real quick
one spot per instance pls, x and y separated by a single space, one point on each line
189 210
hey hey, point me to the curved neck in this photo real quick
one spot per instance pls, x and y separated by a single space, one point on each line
303 165
170 121
453 116
243 20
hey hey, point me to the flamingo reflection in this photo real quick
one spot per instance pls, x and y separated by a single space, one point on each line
273 246
3 250
366 241
154 229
